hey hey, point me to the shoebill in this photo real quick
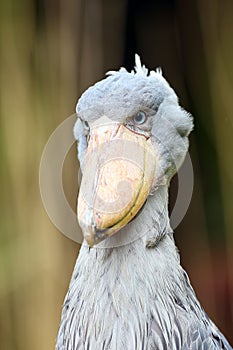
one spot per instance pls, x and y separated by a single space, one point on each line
128 289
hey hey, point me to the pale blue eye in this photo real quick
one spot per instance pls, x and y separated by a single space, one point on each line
139 118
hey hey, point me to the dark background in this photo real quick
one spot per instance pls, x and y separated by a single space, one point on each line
51 51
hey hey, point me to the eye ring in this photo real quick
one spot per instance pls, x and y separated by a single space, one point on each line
139 117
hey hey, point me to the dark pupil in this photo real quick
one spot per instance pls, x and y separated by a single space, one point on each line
139 117
86 124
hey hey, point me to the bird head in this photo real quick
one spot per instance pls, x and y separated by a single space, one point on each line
132 137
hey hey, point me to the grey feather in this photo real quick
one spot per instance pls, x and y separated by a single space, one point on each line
137 296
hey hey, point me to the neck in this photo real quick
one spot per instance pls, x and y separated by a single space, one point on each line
132 267
134 282
150 225
138 263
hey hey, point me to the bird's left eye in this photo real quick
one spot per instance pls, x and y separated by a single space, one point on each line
139 118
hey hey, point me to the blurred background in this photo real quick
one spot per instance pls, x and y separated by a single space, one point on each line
50 52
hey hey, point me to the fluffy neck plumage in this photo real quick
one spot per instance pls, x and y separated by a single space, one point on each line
124 289
143 250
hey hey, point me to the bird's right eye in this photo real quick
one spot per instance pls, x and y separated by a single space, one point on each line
86 125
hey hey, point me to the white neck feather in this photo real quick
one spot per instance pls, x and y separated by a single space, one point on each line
125 281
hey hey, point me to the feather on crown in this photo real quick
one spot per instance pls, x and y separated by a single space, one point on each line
139 69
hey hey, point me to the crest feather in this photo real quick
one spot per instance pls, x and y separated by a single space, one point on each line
139 69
